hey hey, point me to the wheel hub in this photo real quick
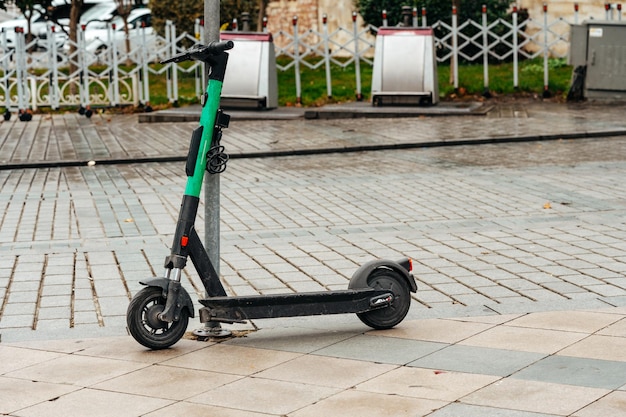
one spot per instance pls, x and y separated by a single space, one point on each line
152 317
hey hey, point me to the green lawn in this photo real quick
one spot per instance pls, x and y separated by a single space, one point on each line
344 88
314 92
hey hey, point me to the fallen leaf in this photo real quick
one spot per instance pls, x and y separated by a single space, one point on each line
547 205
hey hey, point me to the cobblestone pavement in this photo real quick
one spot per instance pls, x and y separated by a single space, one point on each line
503 227
71 139
518 251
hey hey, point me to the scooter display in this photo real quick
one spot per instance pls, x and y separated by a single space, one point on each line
379 291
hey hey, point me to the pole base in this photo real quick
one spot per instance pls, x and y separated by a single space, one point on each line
212 330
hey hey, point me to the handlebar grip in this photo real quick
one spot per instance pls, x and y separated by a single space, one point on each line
219 46
201 52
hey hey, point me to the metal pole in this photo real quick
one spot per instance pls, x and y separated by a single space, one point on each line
203 42
168 41
546 51
7 55
54 70
144 69
296 58
174 66
455 50
20 61
84 68
515 46
116 75
357 59
211 33
212 182
329 86
485 54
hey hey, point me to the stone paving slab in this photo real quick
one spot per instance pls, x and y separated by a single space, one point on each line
282 375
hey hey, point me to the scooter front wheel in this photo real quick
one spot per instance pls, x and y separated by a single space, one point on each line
142 318
388 317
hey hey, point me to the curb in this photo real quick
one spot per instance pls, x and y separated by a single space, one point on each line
318 151
352 110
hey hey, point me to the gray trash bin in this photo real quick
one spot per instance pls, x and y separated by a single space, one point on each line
251 79
405 67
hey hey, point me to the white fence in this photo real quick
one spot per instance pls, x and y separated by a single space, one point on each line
110 76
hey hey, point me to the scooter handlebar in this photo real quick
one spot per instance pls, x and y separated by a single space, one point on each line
218 47
201 52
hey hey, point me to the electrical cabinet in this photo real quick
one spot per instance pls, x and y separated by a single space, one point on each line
601 46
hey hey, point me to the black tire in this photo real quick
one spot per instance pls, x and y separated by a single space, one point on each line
146 328
388 317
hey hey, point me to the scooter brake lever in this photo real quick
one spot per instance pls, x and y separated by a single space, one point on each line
188 55
178 58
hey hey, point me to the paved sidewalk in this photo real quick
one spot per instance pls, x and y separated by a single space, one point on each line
73 140
542 364
518 246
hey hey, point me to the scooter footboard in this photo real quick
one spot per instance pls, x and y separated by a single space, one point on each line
240 309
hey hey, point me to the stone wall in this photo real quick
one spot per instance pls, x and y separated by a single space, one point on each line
310 14
281 12
587 9
565 9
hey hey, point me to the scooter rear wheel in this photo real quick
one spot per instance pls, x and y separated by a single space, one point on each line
388 317
144 324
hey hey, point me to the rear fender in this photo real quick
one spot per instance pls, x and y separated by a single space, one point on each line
359 278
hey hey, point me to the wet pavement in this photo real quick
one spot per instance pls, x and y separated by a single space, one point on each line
518 247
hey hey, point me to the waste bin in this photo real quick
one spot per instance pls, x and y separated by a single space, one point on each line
599 48
250 79
405 67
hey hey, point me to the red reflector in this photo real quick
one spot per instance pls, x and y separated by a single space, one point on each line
410 264
184 241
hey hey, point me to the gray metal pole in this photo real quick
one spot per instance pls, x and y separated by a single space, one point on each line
212 181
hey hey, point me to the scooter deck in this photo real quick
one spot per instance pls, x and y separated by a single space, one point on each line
238 309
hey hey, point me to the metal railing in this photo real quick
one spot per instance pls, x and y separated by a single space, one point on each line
111 76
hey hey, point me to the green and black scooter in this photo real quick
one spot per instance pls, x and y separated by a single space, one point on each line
158 315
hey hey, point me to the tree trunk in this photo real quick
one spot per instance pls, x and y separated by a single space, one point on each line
124 7
75 10
259 20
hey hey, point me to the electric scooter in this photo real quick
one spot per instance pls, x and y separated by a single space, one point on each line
158 315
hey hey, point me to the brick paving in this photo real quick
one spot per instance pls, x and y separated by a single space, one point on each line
498 227
518 252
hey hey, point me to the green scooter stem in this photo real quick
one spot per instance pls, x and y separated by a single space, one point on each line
207 121
191 197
